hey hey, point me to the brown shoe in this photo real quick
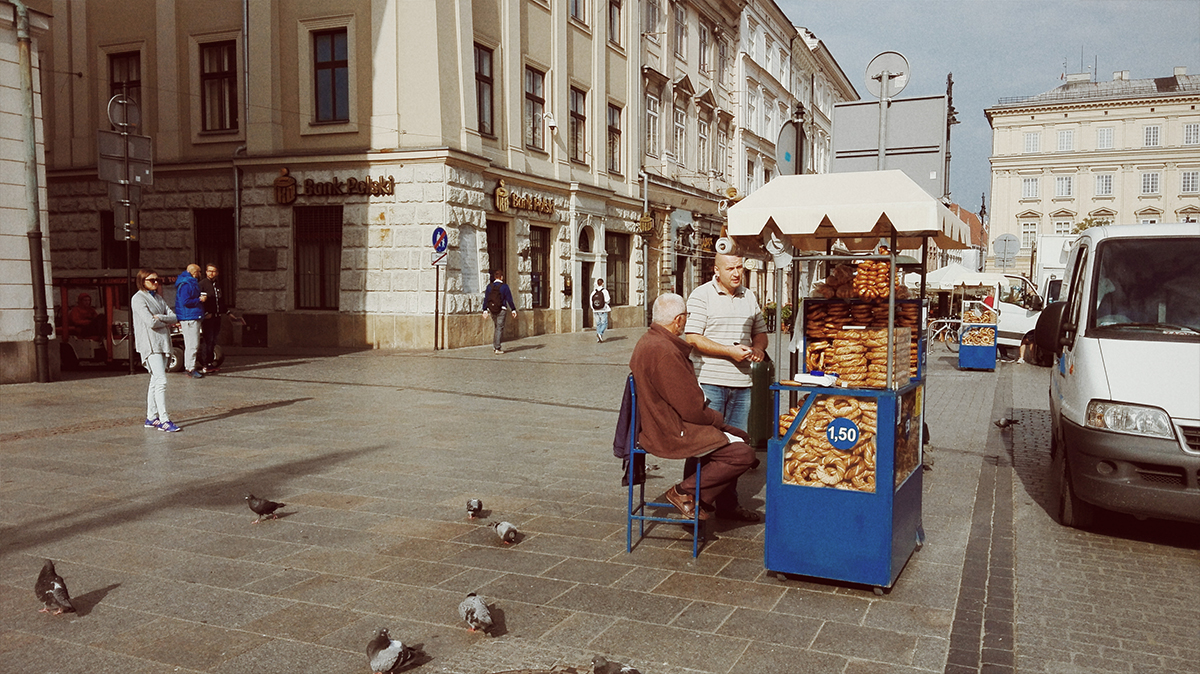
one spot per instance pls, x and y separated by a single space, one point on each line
684 503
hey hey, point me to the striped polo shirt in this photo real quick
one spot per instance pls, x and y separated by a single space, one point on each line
725 319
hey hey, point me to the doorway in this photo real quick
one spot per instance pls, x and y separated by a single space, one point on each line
584 291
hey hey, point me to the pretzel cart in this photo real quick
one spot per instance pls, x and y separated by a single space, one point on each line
844 478
977 337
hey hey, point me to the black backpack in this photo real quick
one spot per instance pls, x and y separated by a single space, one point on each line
493 300
598 299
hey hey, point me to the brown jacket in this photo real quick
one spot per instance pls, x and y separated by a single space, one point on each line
676 423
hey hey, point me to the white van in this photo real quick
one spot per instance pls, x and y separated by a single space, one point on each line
1125 386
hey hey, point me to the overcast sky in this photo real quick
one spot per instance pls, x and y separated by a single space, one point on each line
1001 48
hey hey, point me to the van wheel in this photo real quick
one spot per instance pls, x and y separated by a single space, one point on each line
1072 510
175 360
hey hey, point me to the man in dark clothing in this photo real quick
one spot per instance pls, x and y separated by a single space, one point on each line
210 326
496 298
675 421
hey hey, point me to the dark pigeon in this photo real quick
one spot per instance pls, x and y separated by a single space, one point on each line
387 654
262 507
506 531
474 507
1005 422
51 589
474 610
602 666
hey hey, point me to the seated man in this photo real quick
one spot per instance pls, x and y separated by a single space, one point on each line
82 318
675 421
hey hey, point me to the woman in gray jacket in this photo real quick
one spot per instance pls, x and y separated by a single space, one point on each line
152 321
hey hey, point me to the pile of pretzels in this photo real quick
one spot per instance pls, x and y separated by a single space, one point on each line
809 460
872 280
979 337
826 322
979 316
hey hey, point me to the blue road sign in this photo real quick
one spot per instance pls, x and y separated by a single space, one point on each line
439 240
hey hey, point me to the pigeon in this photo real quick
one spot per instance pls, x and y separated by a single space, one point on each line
474 610
1005 422
52 590
262 507
387 654
474 507
506 531
600 665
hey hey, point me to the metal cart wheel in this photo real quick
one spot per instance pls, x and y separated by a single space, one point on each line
878 591
175 360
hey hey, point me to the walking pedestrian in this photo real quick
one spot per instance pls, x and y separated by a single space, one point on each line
152 321
496 299
189 309
601 309
214 312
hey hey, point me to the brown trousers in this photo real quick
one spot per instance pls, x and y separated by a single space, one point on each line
721 469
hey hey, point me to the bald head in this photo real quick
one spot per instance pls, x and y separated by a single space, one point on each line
729 271
194 270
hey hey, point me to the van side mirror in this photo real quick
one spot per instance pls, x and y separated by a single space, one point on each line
1037 304
1047 335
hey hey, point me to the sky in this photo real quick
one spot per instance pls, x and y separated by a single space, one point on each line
998 49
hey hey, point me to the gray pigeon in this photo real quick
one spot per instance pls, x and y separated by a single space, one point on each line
1005 422
52 591
506 531
474 507
475 612
602 666
386 654
262 507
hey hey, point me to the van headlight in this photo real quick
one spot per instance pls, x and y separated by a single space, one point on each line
1132 419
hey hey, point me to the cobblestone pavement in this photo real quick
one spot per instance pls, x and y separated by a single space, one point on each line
375 454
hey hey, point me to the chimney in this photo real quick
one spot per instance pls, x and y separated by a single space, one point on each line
1120 75
1079 77
1180 71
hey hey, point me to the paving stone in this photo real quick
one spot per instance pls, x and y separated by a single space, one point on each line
672 646
776 628
866 643
721 590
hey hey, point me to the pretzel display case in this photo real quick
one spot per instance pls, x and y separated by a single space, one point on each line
977 337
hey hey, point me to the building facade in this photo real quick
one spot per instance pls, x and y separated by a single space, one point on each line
1120 152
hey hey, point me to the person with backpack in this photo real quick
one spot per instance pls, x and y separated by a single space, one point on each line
600 309
495 299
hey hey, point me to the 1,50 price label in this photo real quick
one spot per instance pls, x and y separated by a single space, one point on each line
842 434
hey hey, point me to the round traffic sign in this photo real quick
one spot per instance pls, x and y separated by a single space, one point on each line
439 240
1006 245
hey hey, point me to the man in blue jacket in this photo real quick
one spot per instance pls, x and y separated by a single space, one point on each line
189 309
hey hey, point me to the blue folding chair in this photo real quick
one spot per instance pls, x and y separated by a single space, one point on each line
638 511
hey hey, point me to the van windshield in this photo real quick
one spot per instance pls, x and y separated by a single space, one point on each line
1148 285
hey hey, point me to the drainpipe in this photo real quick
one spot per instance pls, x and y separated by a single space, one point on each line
241 149
41 318
645 180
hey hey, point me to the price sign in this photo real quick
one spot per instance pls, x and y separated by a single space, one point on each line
842 434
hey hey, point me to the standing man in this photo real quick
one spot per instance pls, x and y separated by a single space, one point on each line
675 422
496 298
189 309
726 329
214 308
600 308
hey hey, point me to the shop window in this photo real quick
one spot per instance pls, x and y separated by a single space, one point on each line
216 244
331 69
483 89
318 234
112 247
617 248
577 146
497 248
218 86
539 266
535 106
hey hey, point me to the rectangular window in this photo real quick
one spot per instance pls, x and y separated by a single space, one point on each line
483 89
1191 134
1066 140
681 31
535 106
1150 182
750 172
1064 186
539 267
1029 188
680 136
752 111
1104 185
650 25
1104 139
218 86
497 248
702 149
752 40
1028 234
577 147
318 232
652 137
768 118
1189 182
722 151
768 50
331 70
614 139
614 21
703 53
125 74
578 12
784 67
112 246
1150 135
1063 227
617 248
722 60
1033 141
